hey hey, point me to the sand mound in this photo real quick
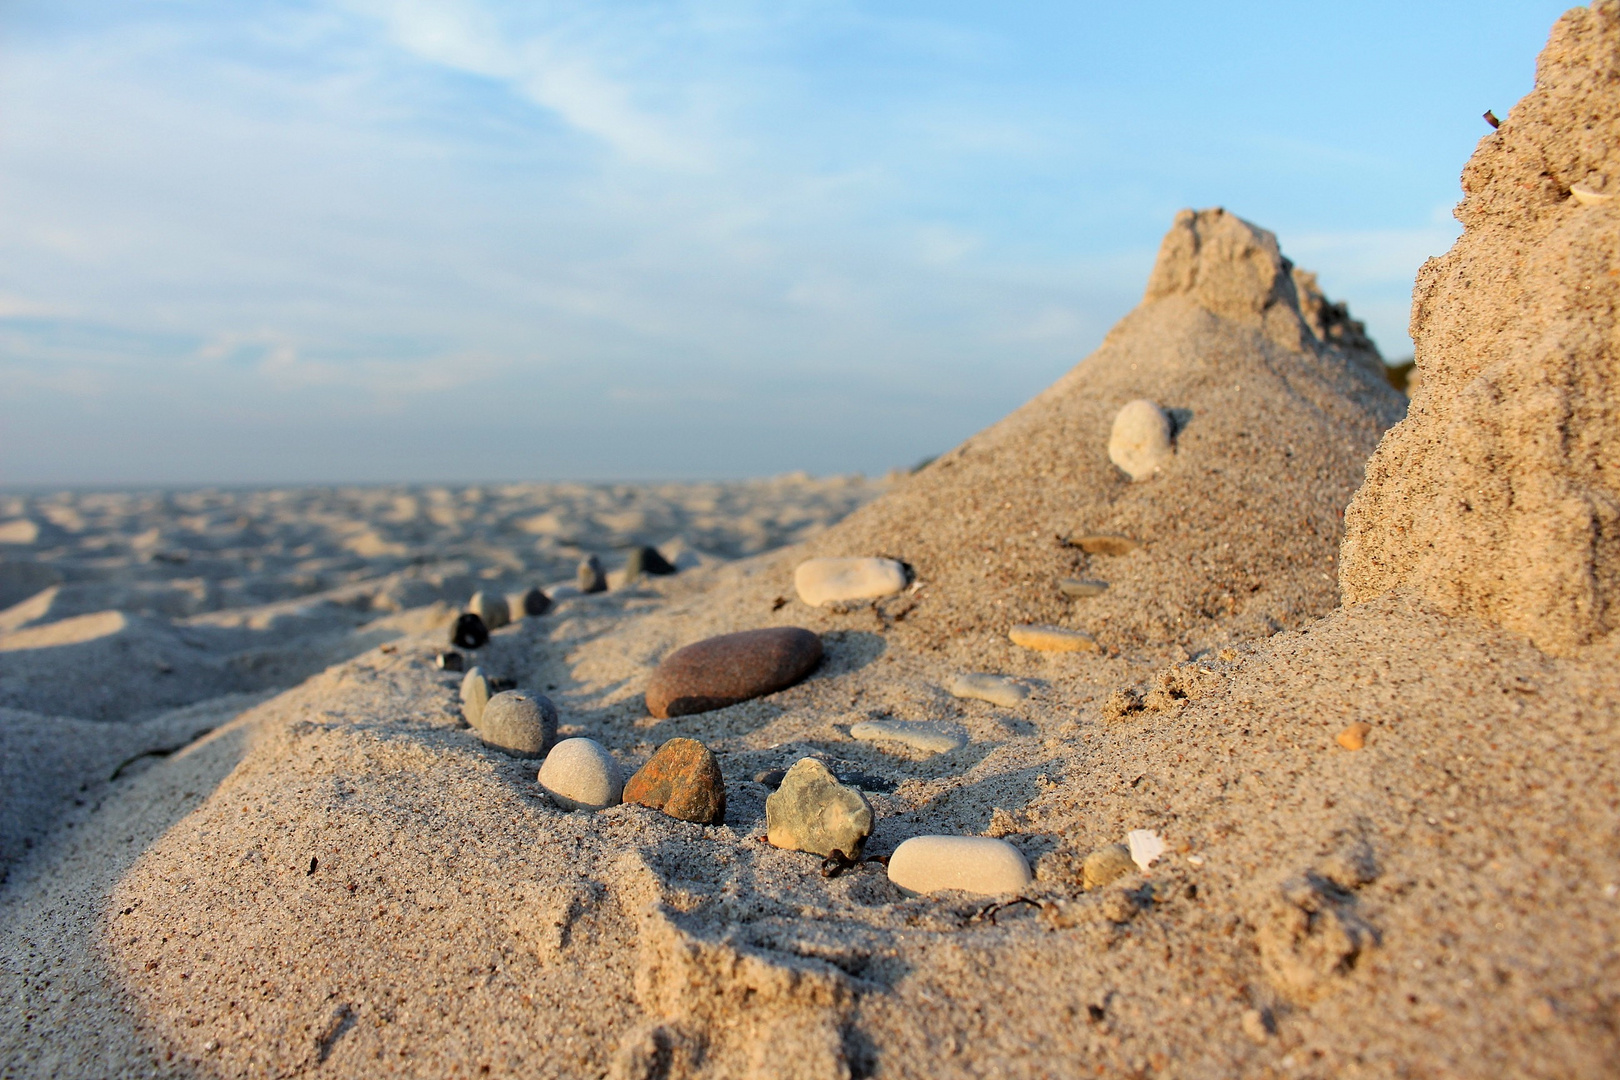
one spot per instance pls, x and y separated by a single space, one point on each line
372 891
1499 496
1278 400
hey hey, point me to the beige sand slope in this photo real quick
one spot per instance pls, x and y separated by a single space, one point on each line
370 892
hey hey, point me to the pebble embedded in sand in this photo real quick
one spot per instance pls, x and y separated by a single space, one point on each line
469 632
724 670
647 560
449 660
1104 865
683 780
981 686
974 864
771 778
592 578
520 723
536 602
579 774
475 695
1081 588
1052 639
918 734
1354 737
813 812
1104 544
492 608
1140 442
827 581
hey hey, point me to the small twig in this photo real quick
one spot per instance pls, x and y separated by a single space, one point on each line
989 910
836 863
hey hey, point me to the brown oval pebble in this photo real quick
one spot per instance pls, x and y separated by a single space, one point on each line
1354 737
683 780
724 670
1104 544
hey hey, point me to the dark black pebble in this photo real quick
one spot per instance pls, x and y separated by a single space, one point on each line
647 560
469 632
536 602
450 661
592 578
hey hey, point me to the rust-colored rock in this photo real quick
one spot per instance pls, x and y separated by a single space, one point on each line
683 780
724 670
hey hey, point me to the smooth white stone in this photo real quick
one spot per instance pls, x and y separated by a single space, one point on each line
996 689
931 738
975 864
1140 442
579 774
825 581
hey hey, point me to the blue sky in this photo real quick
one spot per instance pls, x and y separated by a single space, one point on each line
271 241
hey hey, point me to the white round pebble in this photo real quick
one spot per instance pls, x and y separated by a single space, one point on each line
579 774
975 864
921 735
826 581
1140 442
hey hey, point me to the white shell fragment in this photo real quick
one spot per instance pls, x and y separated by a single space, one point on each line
1140 443
1587 197
827 581
1146 846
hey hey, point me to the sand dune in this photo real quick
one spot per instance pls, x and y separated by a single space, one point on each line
1388 826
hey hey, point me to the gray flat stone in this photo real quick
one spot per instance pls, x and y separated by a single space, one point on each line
921 734
474 695
981 686
1080 588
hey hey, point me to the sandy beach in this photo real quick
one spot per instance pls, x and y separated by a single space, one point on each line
1290 705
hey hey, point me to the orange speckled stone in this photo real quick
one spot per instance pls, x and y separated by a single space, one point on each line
683 780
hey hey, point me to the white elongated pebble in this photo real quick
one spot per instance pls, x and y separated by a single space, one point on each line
825 581
1140 442
975 864
920 734
996 689
579 774
1145 845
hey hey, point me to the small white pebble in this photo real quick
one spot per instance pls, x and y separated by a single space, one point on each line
1195 860
1611 890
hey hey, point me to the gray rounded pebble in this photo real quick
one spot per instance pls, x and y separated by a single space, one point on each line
492 608
520 723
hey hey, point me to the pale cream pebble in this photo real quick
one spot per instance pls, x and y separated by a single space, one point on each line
827 581
1140 441
1052 639
579 774
975 864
